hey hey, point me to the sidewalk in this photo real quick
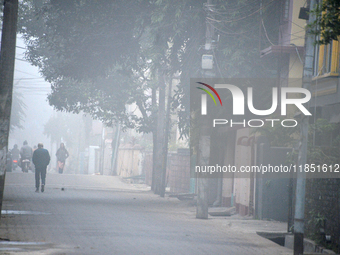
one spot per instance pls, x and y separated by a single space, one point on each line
80 182
103 215
250 229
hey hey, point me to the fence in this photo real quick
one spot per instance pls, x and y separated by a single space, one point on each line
178 171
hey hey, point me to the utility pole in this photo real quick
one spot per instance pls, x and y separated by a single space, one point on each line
301 176
7 58
204 141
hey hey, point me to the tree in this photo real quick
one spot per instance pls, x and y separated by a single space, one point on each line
175 26
100 58
327 23
63 127
17 111
88 52
239 36
100 75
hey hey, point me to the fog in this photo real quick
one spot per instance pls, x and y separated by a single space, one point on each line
34 89
168 113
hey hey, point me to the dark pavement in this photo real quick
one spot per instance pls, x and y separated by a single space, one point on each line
102 215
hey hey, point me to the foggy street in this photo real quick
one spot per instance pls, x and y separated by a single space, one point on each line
170 127
102 215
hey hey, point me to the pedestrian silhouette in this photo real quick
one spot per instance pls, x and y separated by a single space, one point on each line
62 155
41 159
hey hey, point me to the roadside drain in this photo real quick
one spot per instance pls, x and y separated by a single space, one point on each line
13 212
278 238
21 243
24 246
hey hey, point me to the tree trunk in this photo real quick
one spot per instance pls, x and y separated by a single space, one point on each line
202 182
115 147
160 136
154 138
166 139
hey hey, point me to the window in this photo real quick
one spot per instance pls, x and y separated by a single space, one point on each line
326 59
285 10
316 61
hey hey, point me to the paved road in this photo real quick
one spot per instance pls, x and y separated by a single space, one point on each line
102 215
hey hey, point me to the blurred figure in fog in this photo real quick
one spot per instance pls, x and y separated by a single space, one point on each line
41 159
25 152
32 165
15 152
15 156
62 155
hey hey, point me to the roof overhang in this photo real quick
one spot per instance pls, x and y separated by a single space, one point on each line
276 50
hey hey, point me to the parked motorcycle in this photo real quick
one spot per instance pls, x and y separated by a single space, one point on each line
25 164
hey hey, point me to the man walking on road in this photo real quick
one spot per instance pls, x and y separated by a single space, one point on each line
41 159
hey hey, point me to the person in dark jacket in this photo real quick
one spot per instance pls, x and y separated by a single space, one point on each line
41 159
15 153
62 155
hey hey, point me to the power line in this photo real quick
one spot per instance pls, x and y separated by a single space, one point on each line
227 33
233 10
26 73
20 79
249 15
218 67
265 32
30 86
22 60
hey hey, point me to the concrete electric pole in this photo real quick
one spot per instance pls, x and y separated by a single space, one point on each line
7 58
204 142
301 176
